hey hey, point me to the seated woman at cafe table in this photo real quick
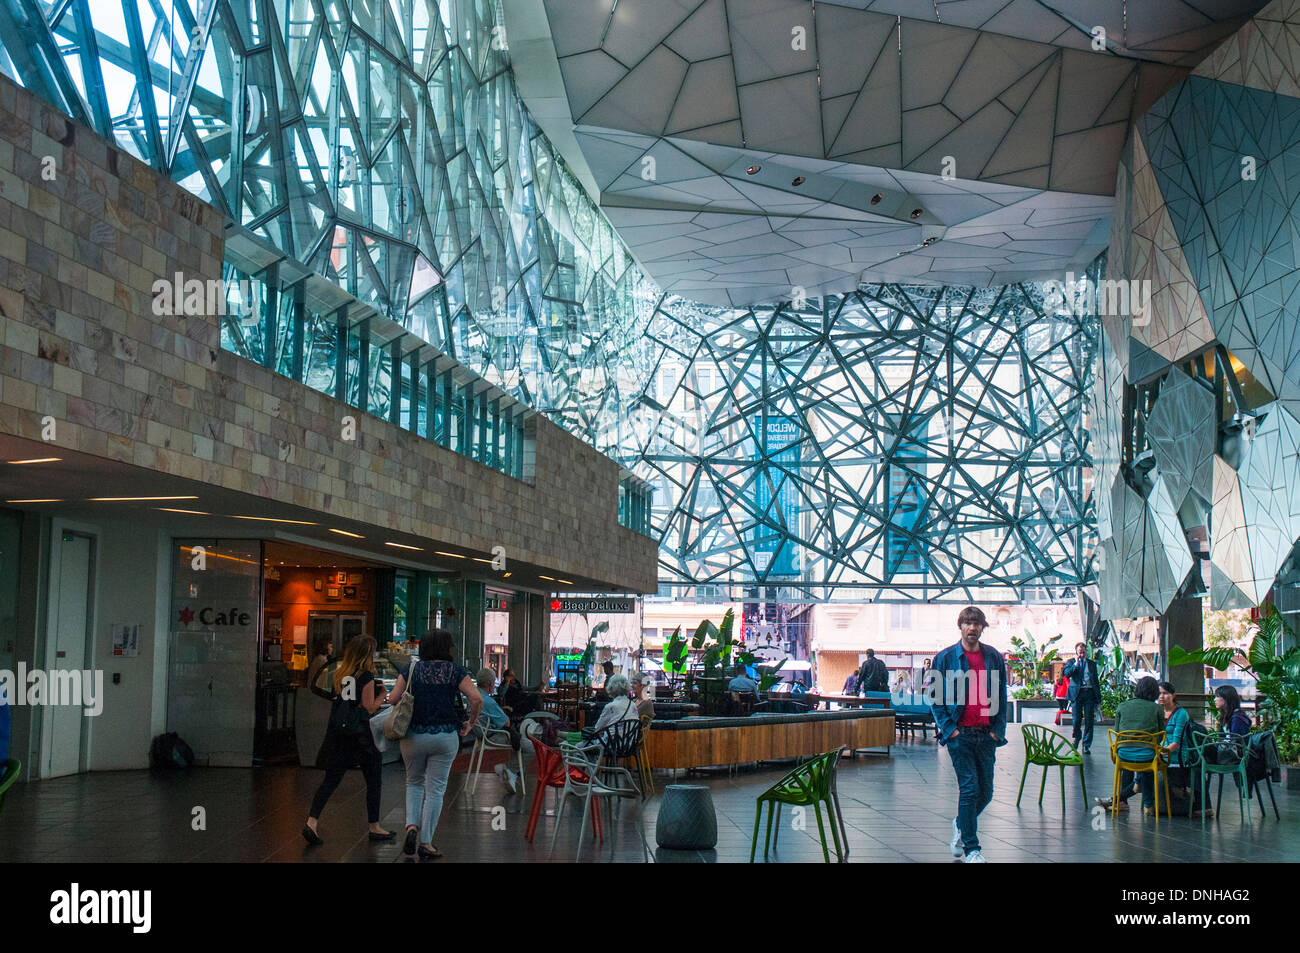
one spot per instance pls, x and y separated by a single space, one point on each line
1182 775
621 707
644 704
1139 713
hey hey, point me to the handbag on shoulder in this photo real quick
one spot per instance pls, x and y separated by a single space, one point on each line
349 718
399 719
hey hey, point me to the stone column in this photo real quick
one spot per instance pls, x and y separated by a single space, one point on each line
1181 625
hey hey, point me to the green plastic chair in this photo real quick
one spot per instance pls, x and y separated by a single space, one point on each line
9 777
1050 749
1231 751
809 785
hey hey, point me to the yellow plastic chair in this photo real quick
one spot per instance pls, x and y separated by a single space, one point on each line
1156 767
643 758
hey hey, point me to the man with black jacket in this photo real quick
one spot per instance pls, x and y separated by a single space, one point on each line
873 676
1085 694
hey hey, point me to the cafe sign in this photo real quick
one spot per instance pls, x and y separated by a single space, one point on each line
608 605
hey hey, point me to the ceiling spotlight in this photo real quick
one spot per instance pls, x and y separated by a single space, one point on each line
875 199
753 169
798 180
929 241
916 212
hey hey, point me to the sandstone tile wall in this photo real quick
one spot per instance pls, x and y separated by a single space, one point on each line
79 342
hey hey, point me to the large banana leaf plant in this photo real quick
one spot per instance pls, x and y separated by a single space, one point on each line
1276 672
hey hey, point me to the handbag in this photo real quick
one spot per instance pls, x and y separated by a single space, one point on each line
348 718
377 722
399 719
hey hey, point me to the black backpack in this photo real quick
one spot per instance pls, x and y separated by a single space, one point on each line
1193 737
170 751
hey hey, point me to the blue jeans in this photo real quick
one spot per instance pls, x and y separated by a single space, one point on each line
1083 718
428 765
1146 782
973 754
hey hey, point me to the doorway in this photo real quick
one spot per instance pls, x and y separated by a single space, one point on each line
336 628
64 741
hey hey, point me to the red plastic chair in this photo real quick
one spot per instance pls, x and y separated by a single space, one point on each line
550 774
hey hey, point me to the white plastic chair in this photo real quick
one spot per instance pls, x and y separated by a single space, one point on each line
584 777
492 739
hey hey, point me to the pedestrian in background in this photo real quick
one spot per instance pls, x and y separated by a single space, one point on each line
357 696
433 738
1084 694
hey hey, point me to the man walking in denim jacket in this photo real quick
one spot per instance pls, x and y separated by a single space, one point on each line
967 689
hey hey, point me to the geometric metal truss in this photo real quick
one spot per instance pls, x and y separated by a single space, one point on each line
382 145
906 442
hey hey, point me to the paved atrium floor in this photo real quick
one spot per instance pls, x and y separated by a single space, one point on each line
897 809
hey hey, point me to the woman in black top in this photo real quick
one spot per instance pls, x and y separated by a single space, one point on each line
356 689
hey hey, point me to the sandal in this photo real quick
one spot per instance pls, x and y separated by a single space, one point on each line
429 854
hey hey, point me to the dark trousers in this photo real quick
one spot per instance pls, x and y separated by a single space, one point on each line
1181 777
1145 782
973 754
370 768
1084 710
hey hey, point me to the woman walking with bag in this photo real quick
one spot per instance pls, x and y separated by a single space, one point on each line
432 739
348 743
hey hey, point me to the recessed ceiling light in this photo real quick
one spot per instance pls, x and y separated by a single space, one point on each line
137 499
33 501
875 199
506 575
404 546
798 180
268 519
37 460
479 559
916 212
752 170
564 582
547 578
439 552
343 532
169 509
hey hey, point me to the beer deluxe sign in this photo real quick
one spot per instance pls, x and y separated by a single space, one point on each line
614 605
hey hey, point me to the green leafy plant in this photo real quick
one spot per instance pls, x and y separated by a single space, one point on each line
1032 666
1114 694
589 653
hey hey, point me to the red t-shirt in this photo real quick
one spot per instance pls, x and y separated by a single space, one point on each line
975 714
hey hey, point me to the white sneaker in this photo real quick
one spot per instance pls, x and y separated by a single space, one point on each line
955 844
975 857
507 777
511 779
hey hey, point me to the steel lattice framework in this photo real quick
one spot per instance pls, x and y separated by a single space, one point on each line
911 442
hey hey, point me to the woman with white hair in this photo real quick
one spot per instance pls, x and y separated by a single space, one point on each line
644 704
621 707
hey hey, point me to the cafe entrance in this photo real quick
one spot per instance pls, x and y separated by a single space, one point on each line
314 602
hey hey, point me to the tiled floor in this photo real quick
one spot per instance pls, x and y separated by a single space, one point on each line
897 809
